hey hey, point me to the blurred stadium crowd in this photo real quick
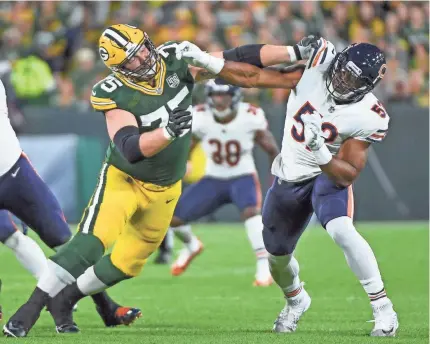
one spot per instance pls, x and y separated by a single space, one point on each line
48 51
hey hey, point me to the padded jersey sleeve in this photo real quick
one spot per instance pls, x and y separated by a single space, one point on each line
323 54
102 95
375 129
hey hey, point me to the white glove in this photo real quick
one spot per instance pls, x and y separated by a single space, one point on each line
312 129
194 56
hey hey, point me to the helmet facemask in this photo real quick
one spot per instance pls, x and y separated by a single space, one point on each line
344 81
149 66
221 104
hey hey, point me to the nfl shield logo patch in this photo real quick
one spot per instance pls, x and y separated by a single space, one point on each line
173 80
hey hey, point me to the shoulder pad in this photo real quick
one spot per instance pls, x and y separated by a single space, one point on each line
324 54
103 94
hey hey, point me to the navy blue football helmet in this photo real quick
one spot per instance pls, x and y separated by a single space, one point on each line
355 71
225 107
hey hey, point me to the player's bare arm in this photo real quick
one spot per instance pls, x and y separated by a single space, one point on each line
123 131
237 73
346 166
248 76
266 140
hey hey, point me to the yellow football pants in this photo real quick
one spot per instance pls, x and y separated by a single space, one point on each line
130 215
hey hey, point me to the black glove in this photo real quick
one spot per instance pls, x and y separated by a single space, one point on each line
304 48
179 120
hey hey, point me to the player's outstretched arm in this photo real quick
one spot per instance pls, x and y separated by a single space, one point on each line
123 131
265 55
236 73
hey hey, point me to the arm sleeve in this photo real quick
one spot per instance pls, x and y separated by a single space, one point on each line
249 53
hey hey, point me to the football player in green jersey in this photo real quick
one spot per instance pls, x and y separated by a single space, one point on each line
146 103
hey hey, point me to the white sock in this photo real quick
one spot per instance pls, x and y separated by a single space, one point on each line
28 253
359 256
54 279
185 234
169 240
254 230
88 283
285 272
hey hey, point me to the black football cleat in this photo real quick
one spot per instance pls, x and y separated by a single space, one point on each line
67 328
15 329
117 315
164 257
61 310
20 324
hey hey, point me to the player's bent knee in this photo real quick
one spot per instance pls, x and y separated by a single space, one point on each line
83 251
249 212
277 245
176 222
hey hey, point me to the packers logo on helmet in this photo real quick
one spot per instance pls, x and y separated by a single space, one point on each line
128 50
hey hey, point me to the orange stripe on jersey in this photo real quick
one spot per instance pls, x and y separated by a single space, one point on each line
377 136
13 223
319 53
350 211
258 190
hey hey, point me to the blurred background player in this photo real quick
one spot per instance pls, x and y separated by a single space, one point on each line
227 129
195 171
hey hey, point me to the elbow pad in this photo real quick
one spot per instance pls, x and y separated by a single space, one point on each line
249 53
127 141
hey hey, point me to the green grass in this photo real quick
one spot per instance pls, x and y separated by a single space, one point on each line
215 302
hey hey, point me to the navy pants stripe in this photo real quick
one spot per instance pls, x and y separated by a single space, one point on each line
24 193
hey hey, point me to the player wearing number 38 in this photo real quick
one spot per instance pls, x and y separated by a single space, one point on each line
146 102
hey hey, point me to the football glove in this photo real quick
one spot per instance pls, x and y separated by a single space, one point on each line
179 123
312 129
194 56
304 49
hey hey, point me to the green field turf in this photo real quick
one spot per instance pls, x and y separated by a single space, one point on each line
215 302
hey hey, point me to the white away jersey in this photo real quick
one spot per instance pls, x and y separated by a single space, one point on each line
10 149
365 120
228 147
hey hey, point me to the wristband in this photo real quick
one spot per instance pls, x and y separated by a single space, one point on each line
322 155
215 64
167 135
292 53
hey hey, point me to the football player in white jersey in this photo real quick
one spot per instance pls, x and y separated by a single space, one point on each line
227 129
332 119
23 193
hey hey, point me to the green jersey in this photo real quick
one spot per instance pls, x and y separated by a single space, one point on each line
149 105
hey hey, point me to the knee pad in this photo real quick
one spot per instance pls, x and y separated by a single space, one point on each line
55 235
275 245
83 251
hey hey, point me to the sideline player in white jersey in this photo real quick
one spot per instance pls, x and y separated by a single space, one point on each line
332 119
227 129
24 193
